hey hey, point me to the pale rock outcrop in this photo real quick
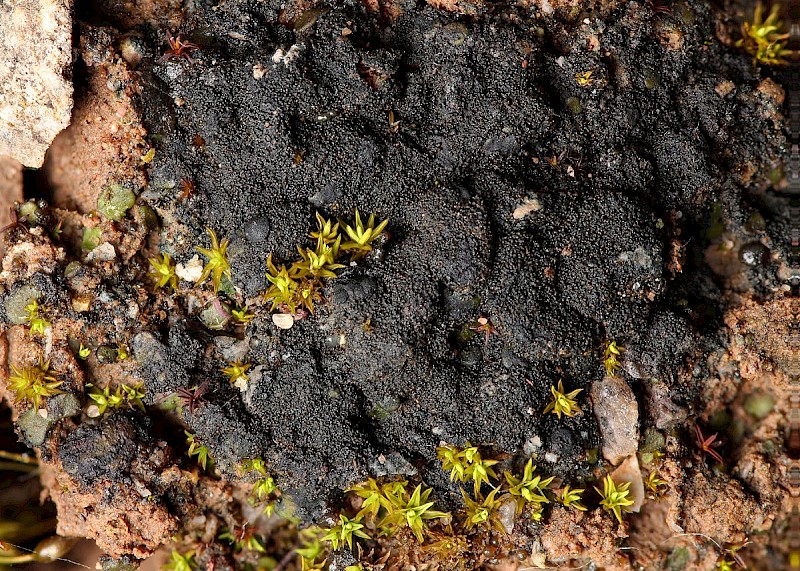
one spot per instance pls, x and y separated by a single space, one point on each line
35 76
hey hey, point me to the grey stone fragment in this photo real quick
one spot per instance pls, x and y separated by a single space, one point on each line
62 406
34 424
35 76
617 415
17 301
34 427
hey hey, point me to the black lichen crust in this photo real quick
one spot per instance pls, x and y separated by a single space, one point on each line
512 191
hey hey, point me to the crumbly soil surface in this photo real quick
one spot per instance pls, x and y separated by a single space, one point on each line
640 204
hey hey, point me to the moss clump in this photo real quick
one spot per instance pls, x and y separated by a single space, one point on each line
218 264
32 384
764 39
298 287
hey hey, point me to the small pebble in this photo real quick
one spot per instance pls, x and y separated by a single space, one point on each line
754 254
191 270
283 320
259 71
81 303
105 252
133 50
334 341
528 205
